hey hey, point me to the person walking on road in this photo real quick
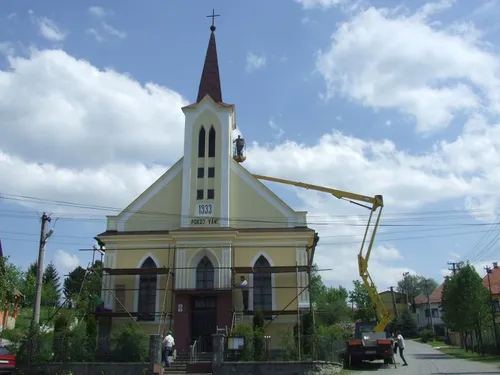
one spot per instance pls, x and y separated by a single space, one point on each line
401 346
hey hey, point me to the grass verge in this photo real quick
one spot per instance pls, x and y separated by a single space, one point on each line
475 357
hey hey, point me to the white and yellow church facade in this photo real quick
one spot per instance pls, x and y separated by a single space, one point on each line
175 253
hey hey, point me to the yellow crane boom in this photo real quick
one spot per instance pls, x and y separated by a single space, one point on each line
374 204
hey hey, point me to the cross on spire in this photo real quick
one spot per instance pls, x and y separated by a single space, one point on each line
212 16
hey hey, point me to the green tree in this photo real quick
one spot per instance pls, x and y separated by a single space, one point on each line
332 306
317 285
10 282
73 282
466 303
406 323
81 286
51 287
414 285
361 299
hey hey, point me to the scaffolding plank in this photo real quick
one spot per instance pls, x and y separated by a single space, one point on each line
275 269
271 312
137 271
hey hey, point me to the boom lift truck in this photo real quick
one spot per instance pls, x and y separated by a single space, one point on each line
371 340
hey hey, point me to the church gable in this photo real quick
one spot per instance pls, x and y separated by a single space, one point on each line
157 208
255 205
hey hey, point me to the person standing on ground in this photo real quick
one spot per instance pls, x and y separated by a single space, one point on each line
401 345
168 344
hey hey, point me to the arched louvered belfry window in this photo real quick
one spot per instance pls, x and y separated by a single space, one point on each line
147 292
201 142
211 143
205 274
262 287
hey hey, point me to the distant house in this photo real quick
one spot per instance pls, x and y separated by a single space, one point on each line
426 317
400 300
493 282
8 316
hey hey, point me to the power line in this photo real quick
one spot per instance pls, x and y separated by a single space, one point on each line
396 239
30 199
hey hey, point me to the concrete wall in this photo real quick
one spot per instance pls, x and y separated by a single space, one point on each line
276 368
108 368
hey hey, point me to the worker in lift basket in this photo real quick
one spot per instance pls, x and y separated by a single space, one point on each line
240 143
244 292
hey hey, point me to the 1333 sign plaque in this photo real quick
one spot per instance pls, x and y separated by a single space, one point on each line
205 209
205 213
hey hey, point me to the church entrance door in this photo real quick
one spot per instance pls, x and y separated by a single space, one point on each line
204 322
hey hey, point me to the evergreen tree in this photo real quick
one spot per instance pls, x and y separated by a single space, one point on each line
73 283
51 293
50 275
406 323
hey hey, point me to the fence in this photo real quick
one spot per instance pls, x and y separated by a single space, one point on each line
488 337
267 348
79 346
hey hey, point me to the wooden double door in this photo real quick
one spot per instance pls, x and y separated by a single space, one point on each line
203 322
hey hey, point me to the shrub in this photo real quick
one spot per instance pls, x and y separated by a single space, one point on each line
245 331
129 344
91 333
259 344
288 346
60 344
426 335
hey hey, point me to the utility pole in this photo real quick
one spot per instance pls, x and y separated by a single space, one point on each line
405 275
493 313
35 323
429 304
454 267
394 306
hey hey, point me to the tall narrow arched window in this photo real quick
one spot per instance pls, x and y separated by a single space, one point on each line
205 274
147 292
211 143
201 143
262 286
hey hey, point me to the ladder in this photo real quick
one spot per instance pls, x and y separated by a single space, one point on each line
164 312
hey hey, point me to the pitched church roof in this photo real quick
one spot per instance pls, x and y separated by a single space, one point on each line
210 77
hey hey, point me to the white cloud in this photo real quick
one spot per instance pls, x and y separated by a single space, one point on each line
310 4
255 62
50 30
65 262
97 36
111 30
110 137
278 132
98 12
387 59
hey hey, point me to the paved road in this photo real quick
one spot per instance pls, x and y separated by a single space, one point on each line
424 360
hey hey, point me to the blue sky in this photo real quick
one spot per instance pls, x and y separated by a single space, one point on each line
379 97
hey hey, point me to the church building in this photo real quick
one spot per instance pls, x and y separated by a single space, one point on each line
175 257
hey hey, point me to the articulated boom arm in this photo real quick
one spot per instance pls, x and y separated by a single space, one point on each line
375 203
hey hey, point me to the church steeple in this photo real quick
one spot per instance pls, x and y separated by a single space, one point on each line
210 78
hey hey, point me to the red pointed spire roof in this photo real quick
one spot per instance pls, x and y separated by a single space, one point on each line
210 78
1 251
